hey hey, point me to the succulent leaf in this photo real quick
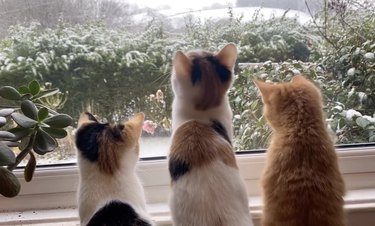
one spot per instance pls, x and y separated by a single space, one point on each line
42 114
55 132
44 143
6 112
59 121
7 156
10 186
23 121
30 167
29 109
34 87
10 93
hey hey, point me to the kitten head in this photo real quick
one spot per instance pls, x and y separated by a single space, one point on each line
284 103
107 144
203 77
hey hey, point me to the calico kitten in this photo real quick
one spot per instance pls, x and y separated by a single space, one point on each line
302 183
207 188
110 192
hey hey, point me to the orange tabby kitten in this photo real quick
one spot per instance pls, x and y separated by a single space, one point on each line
302 184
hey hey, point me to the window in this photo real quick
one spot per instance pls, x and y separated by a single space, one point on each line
113 58
55 187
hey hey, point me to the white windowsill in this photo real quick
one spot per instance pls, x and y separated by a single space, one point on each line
358 200
50 199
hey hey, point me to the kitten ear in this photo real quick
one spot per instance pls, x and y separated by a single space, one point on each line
264 88
298 78
181 63
86 117
137 122
228 55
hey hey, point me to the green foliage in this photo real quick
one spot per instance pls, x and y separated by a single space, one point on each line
112 72
258 40
348 53
343 67
31 127
101 69
271 41
348 124
347 56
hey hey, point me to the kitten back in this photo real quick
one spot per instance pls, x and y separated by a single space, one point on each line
302 184
195 145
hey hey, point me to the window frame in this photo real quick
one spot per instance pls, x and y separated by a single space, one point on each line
55 186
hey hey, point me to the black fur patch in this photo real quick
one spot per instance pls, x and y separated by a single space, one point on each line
196 73
117 213
220 129
117 132
222 71
177 168
91 117
87 140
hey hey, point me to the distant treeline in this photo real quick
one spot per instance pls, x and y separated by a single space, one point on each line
49 12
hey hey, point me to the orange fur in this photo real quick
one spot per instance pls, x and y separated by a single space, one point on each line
133 130
302 184
109 155
198 144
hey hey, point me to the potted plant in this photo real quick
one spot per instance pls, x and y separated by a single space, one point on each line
30 126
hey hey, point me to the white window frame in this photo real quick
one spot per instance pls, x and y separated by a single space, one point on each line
55 187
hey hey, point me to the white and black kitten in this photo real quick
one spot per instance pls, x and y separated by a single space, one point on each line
110 193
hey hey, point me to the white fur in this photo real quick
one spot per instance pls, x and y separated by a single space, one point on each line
202 193
219 186
97 189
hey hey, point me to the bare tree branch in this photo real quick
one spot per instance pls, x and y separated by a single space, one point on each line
322 33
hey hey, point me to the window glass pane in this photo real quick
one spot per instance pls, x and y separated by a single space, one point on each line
113 58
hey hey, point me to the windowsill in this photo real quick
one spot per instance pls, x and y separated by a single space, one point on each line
356 201
51 196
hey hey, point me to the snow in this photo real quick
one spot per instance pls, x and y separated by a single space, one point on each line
247 14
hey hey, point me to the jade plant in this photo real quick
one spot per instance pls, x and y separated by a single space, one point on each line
27 127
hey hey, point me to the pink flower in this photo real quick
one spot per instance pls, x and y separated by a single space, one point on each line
149 126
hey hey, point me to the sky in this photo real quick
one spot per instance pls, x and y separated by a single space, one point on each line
180 4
